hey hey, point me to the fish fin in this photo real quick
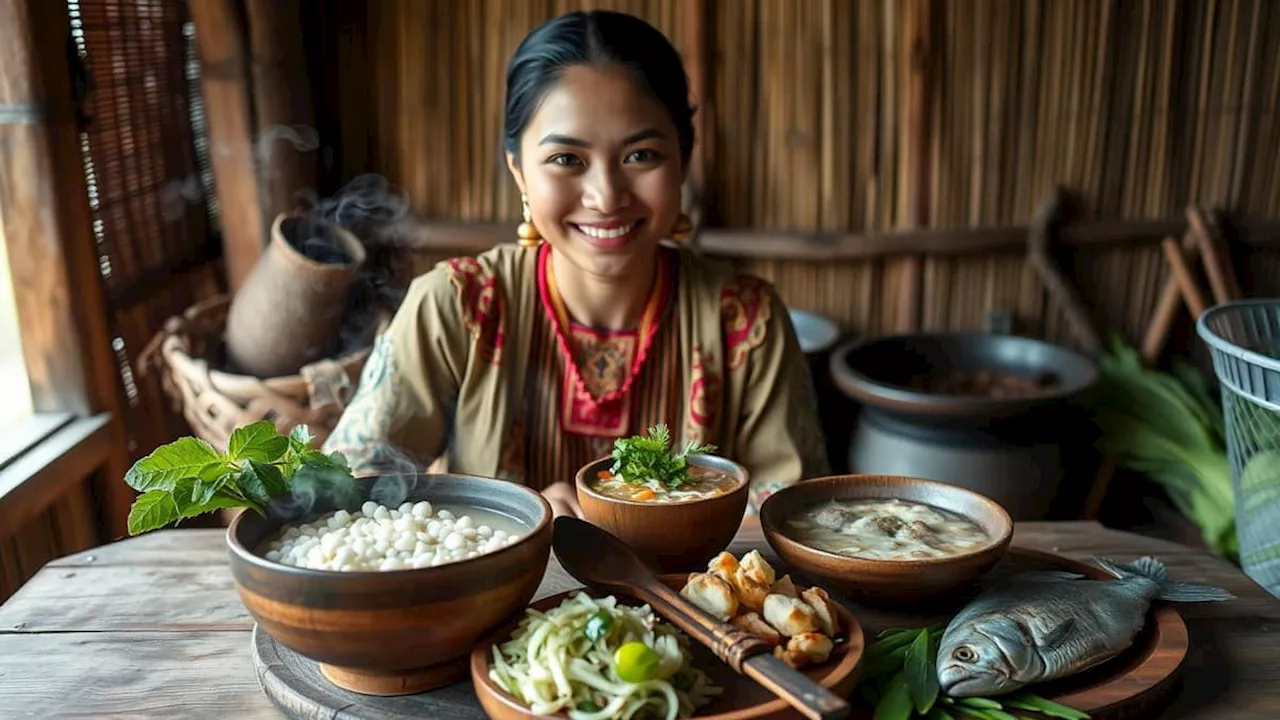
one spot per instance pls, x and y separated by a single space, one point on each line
1059 634
1170 590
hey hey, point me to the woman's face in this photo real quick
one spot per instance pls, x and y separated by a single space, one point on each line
600 163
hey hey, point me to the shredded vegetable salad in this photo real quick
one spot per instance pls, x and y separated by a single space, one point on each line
595 659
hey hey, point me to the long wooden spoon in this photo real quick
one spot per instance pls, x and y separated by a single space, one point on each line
599 560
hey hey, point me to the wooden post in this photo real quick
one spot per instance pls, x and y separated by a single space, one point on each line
919 165
229 119
699 68
287 140
48 231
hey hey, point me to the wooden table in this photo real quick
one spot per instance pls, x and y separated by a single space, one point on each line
152 627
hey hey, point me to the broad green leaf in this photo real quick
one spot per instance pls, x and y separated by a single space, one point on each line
339 460
325 484
896 703
885 662
257 441
261 481
922 678
186 457
151 511
937 713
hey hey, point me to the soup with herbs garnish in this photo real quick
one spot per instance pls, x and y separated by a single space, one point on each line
890 529
701 483
645 469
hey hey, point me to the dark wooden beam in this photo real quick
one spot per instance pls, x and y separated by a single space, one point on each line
471 238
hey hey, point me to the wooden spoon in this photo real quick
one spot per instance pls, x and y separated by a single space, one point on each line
601 561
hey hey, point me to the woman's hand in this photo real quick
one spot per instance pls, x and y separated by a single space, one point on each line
564 499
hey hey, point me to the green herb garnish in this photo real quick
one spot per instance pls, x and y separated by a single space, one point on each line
639 459
188 477
900 682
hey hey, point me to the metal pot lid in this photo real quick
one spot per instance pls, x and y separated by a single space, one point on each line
815 332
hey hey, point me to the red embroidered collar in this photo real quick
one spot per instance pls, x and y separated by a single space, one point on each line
601 407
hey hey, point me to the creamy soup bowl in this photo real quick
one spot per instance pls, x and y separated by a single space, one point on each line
888 581
403 631
671 536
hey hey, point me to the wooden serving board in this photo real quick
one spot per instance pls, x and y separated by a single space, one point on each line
1132 685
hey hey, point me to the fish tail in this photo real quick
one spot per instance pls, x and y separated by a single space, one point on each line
1170 590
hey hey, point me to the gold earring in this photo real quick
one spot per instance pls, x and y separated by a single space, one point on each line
527 232
684 226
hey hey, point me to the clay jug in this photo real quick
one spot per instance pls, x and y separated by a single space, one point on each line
289 310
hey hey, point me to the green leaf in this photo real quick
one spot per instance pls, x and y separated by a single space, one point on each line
184 458
1027 701
151 511
257 441
885 663
598 625
339 460
896 703
922 678
320 480
979 702
260 482
937 713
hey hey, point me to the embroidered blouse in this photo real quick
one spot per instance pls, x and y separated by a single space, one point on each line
483 372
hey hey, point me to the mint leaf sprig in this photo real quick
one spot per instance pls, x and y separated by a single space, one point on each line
899 681
638 459
189 477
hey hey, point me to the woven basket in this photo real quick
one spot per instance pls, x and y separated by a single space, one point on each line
215 403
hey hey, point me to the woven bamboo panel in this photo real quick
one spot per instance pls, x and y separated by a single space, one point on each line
1142 106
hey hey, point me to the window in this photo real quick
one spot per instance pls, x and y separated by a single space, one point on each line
15 393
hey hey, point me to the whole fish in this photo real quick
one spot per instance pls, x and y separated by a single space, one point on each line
1038 626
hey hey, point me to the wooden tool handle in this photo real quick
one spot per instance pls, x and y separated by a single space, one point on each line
728 642
811 699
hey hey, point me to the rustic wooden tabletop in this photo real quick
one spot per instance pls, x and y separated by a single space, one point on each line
152 627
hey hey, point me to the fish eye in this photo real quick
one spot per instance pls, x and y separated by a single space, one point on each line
964 653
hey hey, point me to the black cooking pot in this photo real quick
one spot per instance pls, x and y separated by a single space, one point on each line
995 413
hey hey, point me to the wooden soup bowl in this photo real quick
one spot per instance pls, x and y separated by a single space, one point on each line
932 581
675 536
395 632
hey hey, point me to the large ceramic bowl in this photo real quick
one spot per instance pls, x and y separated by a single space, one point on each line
399 631
881 582
670 536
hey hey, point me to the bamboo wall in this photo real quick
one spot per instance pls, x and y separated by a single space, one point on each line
864 116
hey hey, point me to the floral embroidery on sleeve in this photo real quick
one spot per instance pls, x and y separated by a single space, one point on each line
481 302
705 387
745 310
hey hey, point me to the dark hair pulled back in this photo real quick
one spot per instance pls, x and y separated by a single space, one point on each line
596 37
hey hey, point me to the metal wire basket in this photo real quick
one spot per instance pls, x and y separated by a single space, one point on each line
1244 339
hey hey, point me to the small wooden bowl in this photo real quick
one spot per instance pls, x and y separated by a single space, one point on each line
742 699
879 582
674 536
400 631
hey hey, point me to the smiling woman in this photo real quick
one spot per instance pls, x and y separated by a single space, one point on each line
528 362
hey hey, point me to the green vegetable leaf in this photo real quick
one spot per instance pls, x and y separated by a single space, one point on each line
979 702
152 510
260 482
639 459
896 703
188 477
257 441
1027 701
885 663
937 713
922 678
183 458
